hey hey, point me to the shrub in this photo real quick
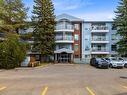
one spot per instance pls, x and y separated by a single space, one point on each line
12 52
27 36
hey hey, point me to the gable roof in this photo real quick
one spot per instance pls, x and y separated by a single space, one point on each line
69 17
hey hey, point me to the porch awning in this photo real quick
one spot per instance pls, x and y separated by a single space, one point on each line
64 50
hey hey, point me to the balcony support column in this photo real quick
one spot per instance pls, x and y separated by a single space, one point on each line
72 58
55 58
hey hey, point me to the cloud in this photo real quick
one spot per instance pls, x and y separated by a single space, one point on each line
85 9
69 7
71 4
100 16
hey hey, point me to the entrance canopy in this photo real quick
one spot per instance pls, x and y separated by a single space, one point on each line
64 50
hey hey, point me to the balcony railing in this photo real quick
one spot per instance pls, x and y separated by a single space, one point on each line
99 28
63 27
99 39
100 50
67 38
63 47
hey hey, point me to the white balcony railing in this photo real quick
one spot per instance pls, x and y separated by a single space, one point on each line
64 39
97 50
99 39
99 28
64 27
100 51
67 38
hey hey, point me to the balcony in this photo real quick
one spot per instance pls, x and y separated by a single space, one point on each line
64 39
67 46
66 28
102 29
100 51
100 40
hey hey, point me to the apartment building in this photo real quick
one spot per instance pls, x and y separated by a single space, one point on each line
99 39
68 38
78 40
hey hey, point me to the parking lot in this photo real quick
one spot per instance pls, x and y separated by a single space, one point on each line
63 79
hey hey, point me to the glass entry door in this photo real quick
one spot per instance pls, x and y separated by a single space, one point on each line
64 58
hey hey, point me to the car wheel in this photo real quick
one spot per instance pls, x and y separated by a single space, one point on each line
107 67
97 65
110 66
125 65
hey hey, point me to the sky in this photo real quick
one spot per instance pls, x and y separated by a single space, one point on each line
89 10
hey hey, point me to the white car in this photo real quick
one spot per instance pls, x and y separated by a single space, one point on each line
114 62
124 60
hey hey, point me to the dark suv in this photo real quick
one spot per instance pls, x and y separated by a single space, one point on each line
99 63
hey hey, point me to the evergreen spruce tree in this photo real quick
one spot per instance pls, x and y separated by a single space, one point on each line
12 15
44 26
121 23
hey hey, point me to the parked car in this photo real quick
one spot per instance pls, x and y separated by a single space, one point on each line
124 61
99 63
114 62
93 61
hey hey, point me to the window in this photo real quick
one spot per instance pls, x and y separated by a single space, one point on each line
86 28
76 37
87 56
86 39
114 47
63 46
87 48
76 47
76 26
37 57
99 47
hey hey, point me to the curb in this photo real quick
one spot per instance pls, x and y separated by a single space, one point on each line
42 66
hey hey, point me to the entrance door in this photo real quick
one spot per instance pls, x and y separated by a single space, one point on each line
64 58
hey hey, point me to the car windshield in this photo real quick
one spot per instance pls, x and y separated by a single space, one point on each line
125 59
100 59
107 59
120 59
114 59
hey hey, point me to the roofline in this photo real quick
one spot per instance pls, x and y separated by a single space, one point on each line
84 21
74 21
98 21
79 19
